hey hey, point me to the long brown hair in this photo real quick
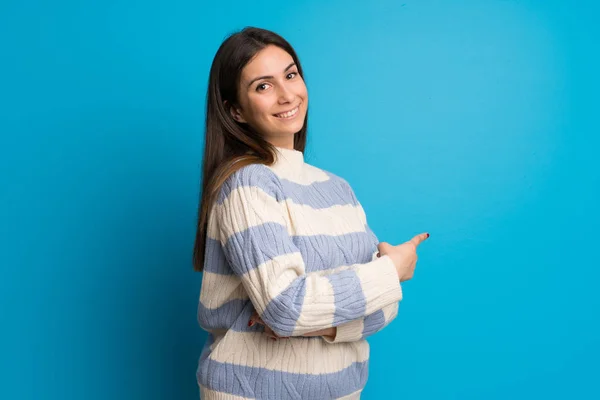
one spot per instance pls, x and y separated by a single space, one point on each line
229 145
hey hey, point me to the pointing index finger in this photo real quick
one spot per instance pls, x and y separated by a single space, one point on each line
417 240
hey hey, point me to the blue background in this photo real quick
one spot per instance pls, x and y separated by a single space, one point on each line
476 121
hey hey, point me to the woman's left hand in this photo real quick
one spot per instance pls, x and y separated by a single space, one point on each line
255 319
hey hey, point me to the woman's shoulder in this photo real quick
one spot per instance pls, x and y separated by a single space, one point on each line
250 177
252 173
331 177
338 181
330 182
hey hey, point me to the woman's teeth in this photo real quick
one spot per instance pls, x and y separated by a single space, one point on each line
288 114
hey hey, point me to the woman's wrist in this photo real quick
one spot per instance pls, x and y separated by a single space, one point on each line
323 332
331 332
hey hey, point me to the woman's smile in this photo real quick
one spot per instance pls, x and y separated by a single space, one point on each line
288 115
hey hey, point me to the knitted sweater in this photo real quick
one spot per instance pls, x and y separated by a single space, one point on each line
290 241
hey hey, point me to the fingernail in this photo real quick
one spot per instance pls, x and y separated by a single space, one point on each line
377 254
250 323
428 235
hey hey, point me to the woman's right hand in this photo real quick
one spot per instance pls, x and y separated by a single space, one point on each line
403 255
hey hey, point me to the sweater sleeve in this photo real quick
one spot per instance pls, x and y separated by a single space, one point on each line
364 327
252 226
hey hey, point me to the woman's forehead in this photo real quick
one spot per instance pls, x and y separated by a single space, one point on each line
270 61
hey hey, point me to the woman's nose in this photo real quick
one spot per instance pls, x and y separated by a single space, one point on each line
286 95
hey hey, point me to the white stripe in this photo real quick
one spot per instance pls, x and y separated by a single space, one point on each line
239 217
274 277
349 332
308 175
390 312
298 355
376 278
318 291
218 289
334 220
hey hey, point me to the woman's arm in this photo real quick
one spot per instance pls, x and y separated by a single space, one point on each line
364 327
369 325
358 329
329 333
348 332
252 229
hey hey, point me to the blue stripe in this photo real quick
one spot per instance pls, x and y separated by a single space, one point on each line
252 175
222 317
206 349
319 252
323 252
317 195
350 302
214 258
265 384
233 315
373 323
256 245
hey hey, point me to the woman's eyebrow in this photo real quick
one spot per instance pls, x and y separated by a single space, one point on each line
269 76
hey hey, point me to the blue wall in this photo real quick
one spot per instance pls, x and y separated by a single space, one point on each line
474 120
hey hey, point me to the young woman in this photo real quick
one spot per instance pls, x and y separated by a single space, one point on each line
292 279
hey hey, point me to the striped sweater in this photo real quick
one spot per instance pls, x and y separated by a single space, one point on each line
290 241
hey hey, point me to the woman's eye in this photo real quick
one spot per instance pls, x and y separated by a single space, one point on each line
261 87
264 86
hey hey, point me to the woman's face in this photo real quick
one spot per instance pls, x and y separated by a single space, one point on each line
272 96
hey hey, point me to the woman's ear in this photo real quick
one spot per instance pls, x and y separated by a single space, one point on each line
234 111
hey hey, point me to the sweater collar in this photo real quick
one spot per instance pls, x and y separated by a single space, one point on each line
290 159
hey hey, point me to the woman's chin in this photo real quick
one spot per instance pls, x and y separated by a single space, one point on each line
285 129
